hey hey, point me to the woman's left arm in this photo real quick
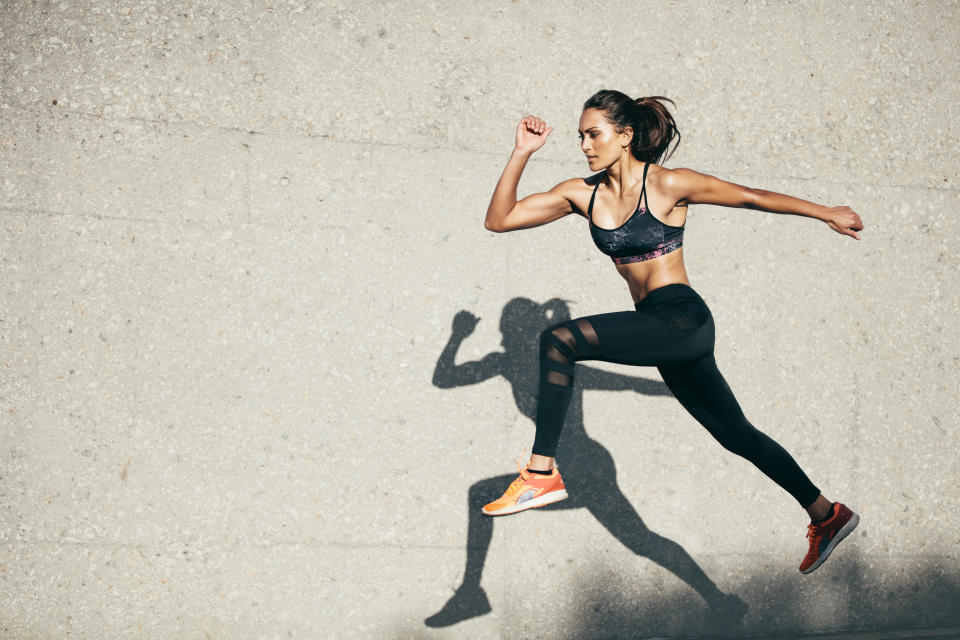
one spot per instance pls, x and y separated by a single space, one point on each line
690 187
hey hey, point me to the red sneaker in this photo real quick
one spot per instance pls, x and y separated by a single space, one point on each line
825 535
527 491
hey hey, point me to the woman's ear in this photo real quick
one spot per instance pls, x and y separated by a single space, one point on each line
626 136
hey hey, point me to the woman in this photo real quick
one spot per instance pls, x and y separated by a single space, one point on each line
671 327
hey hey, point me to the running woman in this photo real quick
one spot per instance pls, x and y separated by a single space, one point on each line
636 211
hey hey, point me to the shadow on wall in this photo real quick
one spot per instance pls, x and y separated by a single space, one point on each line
849 593
592 474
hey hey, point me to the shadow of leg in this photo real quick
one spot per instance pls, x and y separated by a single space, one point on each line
470 600
615 512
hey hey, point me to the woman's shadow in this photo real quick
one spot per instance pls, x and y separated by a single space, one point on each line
589 472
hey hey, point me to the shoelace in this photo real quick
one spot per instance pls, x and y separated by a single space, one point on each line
517 484
812 530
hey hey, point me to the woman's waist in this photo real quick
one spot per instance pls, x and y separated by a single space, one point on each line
642 280
668 292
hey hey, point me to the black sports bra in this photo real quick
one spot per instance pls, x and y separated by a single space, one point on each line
641 237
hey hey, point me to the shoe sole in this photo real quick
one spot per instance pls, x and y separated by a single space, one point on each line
843 533
549 498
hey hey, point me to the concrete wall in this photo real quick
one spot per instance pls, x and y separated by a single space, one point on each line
233 243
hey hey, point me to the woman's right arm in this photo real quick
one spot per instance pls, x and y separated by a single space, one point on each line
505 213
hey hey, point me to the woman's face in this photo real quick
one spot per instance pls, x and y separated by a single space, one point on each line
599 139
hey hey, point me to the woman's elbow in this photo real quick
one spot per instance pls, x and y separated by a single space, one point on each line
495 221
752 198
498 225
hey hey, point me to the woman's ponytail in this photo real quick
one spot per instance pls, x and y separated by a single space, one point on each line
656 130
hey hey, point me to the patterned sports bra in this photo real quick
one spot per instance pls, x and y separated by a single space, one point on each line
641 237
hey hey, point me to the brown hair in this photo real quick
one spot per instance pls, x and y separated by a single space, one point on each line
653 127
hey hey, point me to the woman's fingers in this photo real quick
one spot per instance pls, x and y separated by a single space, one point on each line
847 222
534 124
845 230
532 133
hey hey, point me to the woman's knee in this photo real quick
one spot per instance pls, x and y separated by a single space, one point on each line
744 440
558 344
555 332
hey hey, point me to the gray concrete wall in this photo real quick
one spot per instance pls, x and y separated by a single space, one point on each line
233 242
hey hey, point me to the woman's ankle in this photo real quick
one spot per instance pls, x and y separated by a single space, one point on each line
540 463
820 509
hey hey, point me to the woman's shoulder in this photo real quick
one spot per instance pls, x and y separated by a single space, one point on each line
670 177
580 182
576 187
577 191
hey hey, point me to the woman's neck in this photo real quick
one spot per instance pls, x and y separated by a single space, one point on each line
624 173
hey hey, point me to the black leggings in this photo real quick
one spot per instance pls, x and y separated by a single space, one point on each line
672 329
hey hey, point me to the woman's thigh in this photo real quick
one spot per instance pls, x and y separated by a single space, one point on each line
635 338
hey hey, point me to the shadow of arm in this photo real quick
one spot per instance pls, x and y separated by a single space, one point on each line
448 374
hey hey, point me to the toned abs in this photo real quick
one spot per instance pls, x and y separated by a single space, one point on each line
641 277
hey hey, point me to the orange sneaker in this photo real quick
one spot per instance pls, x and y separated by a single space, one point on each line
528 491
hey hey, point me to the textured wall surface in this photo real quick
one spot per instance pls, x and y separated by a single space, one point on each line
233 399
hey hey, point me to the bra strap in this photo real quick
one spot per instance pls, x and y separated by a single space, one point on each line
590 208
643 189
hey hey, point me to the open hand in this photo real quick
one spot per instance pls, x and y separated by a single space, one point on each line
532 133
844 220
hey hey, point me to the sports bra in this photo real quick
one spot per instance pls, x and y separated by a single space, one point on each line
641 237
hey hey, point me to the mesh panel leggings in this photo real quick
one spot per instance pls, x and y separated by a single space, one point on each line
672 329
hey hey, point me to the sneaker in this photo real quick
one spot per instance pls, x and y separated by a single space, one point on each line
826 534
528 491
